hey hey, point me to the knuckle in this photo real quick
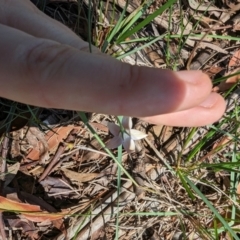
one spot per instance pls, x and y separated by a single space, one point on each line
131 77
43 60
41 64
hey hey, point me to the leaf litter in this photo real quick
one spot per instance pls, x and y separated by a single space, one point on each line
58 183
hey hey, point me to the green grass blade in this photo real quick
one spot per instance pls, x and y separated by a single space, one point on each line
185 185
119 172
135 16
115 29
146 21
227 37
139 48
212 208
81 225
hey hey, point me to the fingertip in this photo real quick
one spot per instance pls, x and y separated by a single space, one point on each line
194 77
198 86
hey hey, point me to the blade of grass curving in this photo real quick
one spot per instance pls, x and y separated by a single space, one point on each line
227 133
198 146
234 182
134 16
119 120
119 173
145 21
82 223
218 80
208 136
219 166
203 232
207 36
236 112
12 115
139 48
185 185
91 129
211 207
143 39
130 17
218 169
183 229
115 29
35 112
190 135
215 228
230 90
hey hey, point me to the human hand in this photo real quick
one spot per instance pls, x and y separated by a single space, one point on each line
44 63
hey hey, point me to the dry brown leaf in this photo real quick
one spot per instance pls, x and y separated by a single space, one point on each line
30 212
10 205
34 154
232 6
57 135
99 126
26 227
223 142
79 177
42 216
231 81
59 224
163 133
235 60
38 143
212 71
87 155
52 138
12 171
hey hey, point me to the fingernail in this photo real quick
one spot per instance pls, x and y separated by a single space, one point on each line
190 76
210 101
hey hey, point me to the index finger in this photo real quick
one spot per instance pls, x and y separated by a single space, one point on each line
54 75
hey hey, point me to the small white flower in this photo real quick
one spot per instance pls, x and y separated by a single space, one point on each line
125 136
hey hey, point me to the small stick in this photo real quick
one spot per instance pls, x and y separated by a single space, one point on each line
54 162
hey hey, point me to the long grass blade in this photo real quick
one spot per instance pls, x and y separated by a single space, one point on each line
212 208
146 21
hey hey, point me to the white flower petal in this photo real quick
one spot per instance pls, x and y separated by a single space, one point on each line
125 135
129 145
113 128
136 135
114 142
127 122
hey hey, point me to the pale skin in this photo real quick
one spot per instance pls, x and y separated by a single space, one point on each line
43 63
